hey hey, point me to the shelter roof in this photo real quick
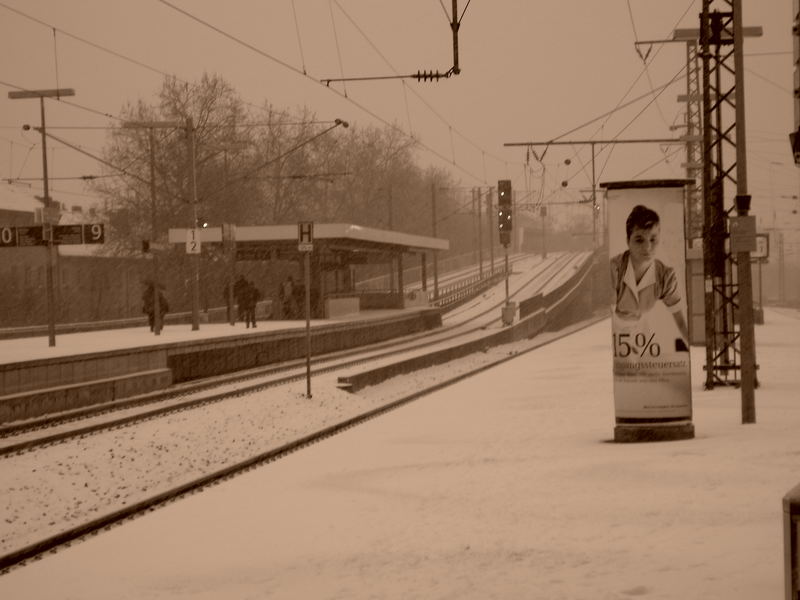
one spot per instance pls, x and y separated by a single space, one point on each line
328 236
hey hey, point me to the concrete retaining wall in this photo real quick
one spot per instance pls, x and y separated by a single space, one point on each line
215 357
27 405
40 374
34 388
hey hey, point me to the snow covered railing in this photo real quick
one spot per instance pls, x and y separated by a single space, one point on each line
453 295
569 303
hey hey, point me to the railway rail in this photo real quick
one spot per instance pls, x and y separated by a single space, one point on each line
17 437
467 323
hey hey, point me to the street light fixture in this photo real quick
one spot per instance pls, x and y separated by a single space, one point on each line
50 212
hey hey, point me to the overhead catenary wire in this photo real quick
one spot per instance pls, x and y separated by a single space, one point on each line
620 104
338 49
769 81
639 114
427 104
251 47
55 55
657 162
106 50
644 58
645 70
299 39
331 89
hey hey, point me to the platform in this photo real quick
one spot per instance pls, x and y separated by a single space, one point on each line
101 366
502 486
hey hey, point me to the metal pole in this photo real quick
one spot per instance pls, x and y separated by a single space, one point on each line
760 289
391 210
543 214
231 250
506 253
424 271
231 279
307 277
480 235
153 226
781 271
594 202
435 255
744 272
474 230
195 257
489 228
709 275
50 249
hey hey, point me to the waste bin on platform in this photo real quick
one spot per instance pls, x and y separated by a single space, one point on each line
509 310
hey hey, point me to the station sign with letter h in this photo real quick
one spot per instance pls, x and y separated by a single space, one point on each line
305 236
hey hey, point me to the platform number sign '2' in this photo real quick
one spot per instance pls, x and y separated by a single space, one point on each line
193 241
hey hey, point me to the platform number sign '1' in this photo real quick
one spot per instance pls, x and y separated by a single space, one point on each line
193 241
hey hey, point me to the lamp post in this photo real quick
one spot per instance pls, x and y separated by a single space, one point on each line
190 140
151 126
435 255
50 216
231 147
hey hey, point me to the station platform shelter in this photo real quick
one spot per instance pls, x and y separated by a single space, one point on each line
337 249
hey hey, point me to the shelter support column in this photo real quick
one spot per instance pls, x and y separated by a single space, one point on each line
424 270
400 283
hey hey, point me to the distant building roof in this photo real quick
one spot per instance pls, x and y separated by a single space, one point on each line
18 197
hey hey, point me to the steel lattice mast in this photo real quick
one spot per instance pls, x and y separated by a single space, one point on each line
730 346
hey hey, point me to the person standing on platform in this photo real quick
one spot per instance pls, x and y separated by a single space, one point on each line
148 305
251 297
239 293
288 300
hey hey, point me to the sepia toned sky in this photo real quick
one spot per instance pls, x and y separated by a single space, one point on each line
530 71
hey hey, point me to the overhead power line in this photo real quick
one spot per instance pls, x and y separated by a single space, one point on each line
299 72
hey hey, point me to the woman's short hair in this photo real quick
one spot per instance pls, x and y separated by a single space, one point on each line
641 217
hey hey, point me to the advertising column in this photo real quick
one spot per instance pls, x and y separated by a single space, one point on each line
649 337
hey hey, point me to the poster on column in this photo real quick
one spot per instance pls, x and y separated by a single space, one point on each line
649 338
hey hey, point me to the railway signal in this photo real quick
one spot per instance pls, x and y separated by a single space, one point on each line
504 216
504 224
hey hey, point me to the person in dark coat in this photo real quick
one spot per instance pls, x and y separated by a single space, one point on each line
287 297
240 287
148 305
251 295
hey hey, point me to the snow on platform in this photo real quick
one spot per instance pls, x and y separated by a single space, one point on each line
68 344
502 486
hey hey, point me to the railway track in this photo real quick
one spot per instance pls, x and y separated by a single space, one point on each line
111 517
459 324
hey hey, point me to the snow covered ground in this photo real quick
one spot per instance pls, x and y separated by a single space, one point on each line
501 486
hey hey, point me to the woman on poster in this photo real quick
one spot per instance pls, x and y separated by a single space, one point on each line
640 279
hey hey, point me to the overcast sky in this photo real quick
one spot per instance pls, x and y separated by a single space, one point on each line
530 71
